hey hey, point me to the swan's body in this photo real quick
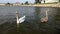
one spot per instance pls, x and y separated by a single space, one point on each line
20 20
45 19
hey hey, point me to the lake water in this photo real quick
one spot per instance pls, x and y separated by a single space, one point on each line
32 23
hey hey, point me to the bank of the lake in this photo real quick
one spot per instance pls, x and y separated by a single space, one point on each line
43 5
37 5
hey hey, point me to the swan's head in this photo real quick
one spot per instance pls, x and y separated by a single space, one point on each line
16 12
47 10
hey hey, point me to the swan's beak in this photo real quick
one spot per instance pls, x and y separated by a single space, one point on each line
16 12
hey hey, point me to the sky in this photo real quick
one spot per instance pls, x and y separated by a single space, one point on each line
21 1
13 1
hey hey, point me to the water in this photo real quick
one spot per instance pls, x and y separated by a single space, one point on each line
32 24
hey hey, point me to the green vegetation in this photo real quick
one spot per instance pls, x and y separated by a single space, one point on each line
27 3
8 4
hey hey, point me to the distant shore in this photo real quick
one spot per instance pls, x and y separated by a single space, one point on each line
44 5
35 5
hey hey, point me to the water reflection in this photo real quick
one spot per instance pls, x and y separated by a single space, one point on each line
57 21
50 26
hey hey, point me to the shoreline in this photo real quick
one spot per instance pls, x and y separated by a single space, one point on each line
35 5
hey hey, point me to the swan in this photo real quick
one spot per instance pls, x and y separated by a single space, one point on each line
45 19
20 20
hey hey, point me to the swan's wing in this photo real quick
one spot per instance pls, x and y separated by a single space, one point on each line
22 19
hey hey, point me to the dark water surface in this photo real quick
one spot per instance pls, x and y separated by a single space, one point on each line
32 24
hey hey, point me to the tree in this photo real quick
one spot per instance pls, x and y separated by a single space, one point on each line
8 4
44 1
37 1
22 3
26 2
59 0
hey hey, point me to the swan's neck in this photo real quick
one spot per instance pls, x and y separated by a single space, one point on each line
17 18
46 13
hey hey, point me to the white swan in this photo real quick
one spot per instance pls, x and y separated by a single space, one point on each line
20 20
45 19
